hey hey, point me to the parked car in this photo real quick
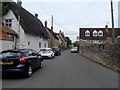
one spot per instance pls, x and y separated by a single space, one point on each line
74 50
57 51
23 61
46 52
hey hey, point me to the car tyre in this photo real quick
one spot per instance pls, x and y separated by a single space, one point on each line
41 64
29 71
51 57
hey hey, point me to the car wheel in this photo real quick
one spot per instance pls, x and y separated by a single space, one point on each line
41 64
29 71
51 57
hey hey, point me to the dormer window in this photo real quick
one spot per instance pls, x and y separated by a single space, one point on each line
8 23
100 33
87 33
95 33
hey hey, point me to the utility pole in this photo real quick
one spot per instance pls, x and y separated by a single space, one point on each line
19 42
51 31
112 17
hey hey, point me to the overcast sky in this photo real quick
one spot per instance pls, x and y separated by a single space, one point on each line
70 15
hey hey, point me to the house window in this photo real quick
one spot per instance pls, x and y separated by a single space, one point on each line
100 33
87 33
95 33
39 44
28 43
8 23
100 41
45 45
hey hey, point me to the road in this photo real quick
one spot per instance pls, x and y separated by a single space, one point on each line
70 70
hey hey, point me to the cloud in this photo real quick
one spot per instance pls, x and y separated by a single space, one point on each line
66 0
70 15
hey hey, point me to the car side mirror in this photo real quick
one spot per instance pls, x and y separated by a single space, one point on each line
38 54
33 54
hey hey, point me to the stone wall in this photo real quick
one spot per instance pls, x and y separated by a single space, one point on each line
107 55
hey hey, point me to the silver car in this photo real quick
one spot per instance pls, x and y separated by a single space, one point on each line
74 50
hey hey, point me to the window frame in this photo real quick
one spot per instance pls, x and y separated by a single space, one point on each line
87 33
28 43
40 44
45 45
95 33
8 23
100 32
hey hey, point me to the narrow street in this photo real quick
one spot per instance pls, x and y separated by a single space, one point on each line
69 70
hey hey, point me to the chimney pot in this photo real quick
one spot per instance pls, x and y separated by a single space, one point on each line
60 31
45 23
36 15
106 26
19 2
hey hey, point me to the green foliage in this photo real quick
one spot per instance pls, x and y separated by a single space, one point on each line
5 7
0 30
0 9
76 43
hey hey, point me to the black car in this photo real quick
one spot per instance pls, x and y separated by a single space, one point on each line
57 51
23 61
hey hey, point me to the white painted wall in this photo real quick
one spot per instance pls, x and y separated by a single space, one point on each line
24 37
5 45
16 27
34 42
15 24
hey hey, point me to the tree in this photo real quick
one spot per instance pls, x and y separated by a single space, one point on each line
76 43
68 42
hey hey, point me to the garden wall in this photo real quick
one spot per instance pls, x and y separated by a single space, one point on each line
107 55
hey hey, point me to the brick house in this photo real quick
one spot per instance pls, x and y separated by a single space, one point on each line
98 35
53 40
7 37
62 39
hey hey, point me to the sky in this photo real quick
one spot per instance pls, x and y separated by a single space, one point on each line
70 15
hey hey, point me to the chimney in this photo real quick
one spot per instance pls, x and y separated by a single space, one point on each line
45 23
60 31
106 30
19 2
36 15
106 26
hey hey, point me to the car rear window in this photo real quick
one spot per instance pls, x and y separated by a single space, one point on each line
9 54
44 50
74 47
